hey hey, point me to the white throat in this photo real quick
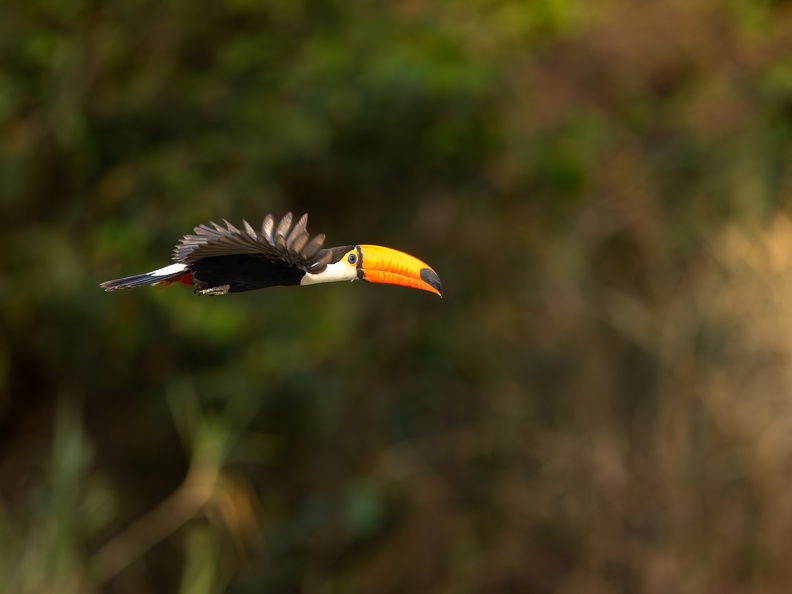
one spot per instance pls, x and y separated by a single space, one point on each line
340 271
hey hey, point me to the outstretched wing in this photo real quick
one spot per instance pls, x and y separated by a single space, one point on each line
287 243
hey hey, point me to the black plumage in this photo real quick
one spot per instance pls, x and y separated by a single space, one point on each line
286 243
235 260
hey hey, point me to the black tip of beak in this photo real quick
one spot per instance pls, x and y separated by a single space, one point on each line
430 278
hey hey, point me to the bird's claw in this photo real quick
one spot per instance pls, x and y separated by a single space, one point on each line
221 290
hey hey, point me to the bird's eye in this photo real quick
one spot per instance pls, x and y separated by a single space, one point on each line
352 258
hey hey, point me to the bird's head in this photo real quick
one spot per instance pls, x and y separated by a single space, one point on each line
376 264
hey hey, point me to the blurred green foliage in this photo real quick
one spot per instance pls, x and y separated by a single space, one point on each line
600 402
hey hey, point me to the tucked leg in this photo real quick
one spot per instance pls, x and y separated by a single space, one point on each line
220 290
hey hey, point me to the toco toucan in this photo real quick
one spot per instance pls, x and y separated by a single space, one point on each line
218 260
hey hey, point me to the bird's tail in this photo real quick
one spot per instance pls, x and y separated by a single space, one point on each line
166 276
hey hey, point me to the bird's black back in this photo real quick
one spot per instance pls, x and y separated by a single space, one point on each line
243 272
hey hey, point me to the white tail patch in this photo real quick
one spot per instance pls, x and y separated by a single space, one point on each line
168 270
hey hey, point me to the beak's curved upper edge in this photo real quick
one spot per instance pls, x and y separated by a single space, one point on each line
388 266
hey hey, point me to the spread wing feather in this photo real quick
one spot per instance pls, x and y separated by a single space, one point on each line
291 244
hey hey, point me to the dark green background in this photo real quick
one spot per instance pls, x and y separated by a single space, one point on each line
601 402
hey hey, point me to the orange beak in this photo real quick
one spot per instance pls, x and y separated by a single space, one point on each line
392 267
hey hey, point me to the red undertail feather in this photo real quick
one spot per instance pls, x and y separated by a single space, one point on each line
185 279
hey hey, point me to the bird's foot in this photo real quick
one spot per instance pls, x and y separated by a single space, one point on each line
221 290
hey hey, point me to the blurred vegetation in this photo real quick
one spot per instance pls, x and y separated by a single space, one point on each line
602 402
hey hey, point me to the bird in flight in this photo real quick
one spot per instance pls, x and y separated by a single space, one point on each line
219 260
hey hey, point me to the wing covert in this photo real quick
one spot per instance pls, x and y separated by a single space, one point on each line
284 242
